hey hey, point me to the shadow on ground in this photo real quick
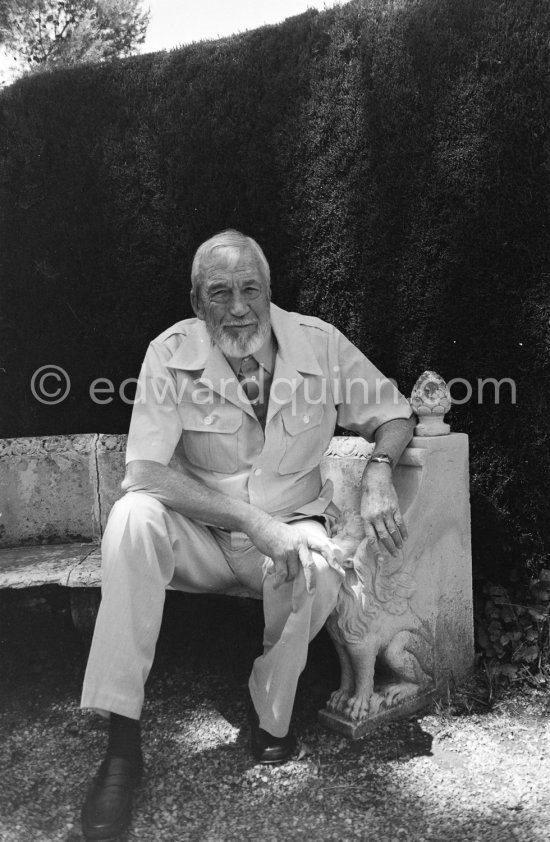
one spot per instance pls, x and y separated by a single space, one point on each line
424 778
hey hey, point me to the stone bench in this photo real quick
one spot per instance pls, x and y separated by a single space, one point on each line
411 617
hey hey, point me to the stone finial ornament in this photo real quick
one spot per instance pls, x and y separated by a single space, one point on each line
431 399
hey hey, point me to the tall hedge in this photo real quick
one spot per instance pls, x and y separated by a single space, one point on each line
391 157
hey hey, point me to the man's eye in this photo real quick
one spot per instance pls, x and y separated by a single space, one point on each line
220 295
251 292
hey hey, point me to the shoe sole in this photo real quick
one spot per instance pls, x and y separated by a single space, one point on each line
120 827
275 762
113 837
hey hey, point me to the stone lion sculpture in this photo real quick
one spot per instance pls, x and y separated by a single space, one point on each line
374 624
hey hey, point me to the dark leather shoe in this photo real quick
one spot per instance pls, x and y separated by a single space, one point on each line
266 748
107 811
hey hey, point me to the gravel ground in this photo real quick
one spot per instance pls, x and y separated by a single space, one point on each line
473 769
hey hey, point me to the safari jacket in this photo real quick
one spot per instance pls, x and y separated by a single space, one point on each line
191 413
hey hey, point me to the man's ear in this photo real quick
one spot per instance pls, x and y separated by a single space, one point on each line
196 304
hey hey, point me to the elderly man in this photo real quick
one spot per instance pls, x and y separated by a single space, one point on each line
233 412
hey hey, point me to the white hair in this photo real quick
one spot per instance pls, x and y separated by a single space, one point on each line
229 246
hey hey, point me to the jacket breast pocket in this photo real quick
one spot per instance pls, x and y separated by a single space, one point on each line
211 436
304 444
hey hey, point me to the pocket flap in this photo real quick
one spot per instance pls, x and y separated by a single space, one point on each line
206 418
300 419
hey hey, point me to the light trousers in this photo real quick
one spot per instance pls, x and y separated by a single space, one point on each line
146 547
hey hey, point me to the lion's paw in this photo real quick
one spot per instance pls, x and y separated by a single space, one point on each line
395 693
377 703
338 701
357 707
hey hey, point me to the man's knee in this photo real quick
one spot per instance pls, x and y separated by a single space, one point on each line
139 510
138 503
134 520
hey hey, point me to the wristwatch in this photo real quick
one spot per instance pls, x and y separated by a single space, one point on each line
382 457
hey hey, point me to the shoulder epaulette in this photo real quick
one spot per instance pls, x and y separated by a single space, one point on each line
313 321
179 329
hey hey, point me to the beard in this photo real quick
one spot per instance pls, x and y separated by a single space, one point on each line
239 346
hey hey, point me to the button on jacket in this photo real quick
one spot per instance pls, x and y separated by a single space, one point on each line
191 412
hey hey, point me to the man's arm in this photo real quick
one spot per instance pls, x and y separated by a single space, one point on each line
286 546
382 519
187 496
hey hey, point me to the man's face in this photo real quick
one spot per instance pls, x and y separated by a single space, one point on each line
233 301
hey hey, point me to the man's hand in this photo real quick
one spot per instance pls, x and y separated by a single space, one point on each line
382 519
290 549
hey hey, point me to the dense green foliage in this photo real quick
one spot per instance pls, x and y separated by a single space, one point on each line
392 158
43 34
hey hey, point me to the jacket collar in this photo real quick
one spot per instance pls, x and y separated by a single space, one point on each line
193 353
194 350
295 358
197 355
293 345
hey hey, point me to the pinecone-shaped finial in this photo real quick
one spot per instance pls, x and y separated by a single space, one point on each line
430 399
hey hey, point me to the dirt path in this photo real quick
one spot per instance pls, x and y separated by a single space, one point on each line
468 771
